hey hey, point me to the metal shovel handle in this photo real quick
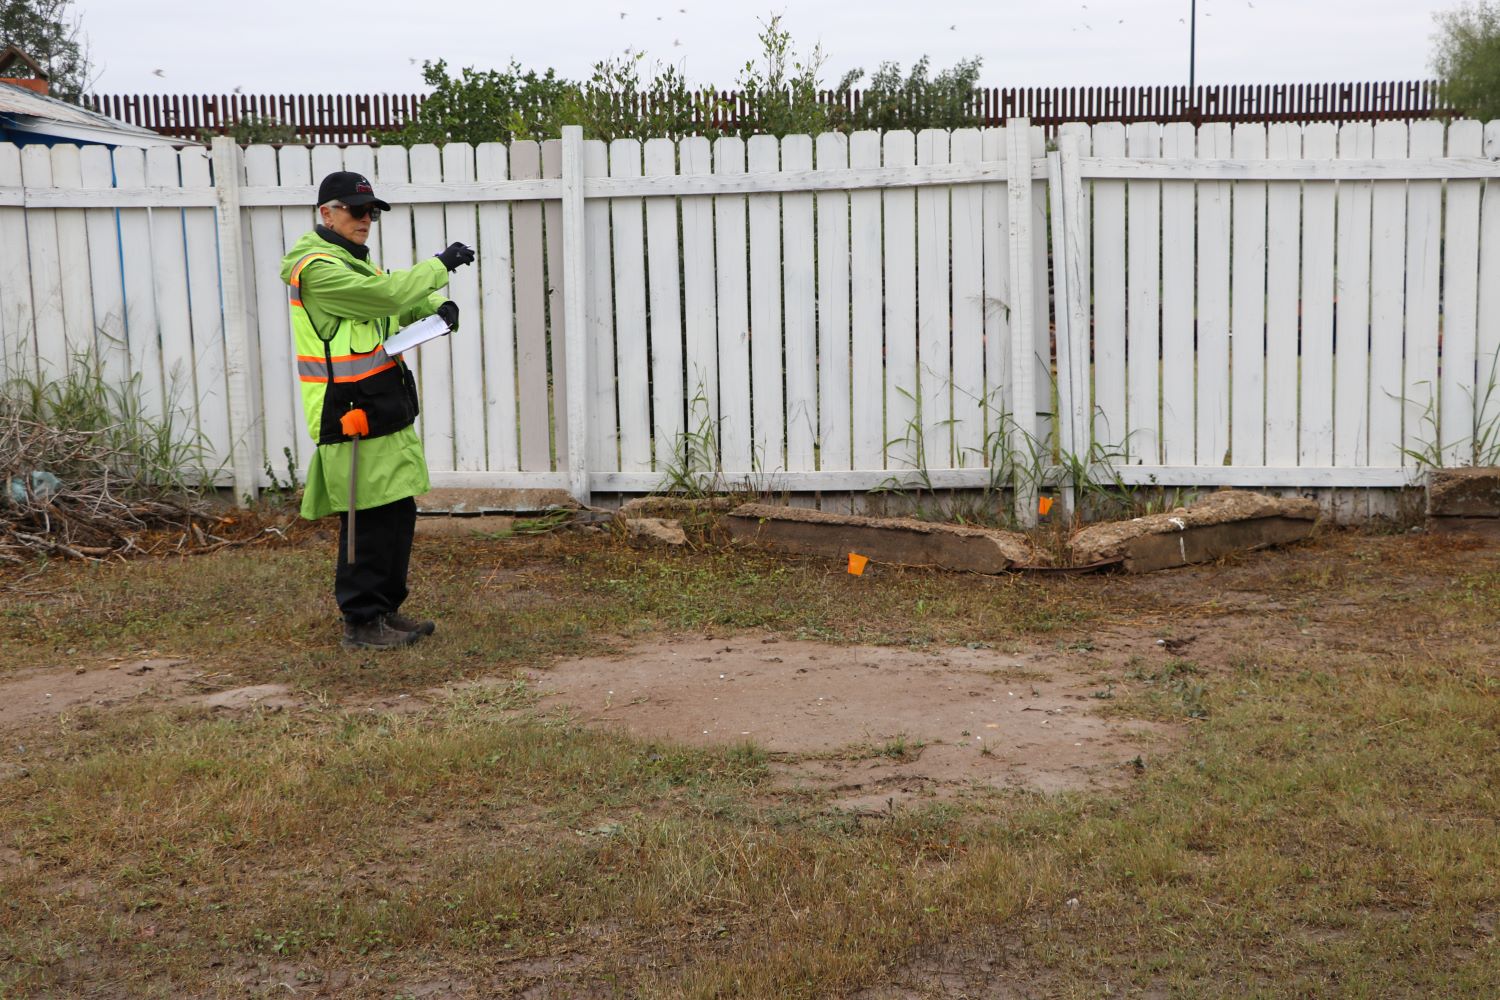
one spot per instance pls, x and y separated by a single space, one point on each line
353 494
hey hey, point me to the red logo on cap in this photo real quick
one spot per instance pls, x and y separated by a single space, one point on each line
363 187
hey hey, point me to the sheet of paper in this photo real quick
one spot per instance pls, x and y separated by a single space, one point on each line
419 332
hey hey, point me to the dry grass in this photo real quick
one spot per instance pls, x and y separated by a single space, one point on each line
1328 826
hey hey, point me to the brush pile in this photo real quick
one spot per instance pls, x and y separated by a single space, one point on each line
84 477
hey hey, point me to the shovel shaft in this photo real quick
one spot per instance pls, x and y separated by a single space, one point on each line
353 493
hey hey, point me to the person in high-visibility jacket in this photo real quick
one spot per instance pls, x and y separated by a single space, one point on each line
343 308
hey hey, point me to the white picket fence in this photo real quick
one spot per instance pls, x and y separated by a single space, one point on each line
1293 307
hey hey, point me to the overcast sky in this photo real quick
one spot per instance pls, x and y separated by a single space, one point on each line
375 46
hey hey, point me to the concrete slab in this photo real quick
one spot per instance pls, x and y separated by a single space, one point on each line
483 524
1221 523
656 530
1486 527
899 541
1473 492
677 507
477 501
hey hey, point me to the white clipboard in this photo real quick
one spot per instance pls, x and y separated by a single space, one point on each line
417 333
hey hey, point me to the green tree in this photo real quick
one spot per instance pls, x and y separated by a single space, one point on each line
49 32
781 92
919 101
1467 58
487 105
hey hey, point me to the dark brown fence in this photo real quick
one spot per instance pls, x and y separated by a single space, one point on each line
349 118
316 118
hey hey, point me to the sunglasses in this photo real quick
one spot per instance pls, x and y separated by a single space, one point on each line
360 211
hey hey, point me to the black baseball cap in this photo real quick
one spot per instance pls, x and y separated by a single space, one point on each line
350 188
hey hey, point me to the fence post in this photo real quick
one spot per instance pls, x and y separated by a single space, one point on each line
575 320
244 425
1070 219
1022 318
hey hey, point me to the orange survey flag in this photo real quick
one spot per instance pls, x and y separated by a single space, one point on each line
857 563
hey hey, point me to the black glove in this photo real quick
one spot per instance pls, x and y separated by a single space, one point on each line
456 256
449 311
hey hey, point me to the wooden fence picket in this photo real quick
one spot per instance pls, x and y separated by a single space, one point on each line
495 323
967 307
106 295
799 307
1109 412
1462 385
1143 285
51 333
466 346
1387 301
72 249
867 330
731 233
1178 287
833 309
664 293
1283 266
1215 141
1315 388
141 323
1487 351
1421 431
767 395
934 331
531 316
604 445
209 360
1247 427
556 283
901 385
700 299
1351 390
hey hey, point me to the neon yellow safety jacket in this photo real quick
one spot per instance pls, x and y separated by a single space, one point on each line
343 308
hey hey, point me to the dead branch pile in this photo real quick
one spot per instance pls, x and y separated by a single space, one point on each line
82 494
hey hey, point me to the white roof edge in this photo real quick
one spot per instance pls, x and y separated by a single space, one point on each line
92 133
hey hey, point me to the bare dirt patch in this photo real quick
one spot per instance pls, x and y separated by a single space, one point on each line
39 695
874 725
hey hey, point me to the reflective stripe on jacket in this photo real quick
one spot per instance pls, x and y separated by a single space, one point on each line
342 309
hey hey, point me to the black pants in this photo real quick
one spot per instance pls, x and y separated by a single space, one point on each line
376 583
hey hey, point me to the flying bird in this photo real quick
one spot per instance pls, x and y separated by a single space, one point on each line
157 72
622 15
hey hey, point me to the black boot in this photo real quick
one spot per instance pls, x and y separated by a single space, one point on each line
401 623
375 635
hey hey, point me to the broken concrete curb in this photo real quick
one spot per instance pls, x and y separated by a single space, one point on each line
1221 523
899 541
669 507
655 529
455 500
1464 493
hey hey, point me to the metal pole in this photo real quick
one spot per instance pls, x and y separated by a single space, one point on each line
1192 51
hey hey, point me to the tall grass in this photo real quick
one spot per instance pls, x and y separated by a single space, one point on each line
84 429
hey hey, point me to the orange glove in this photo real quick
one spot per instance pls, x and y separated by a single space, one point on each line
355 424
